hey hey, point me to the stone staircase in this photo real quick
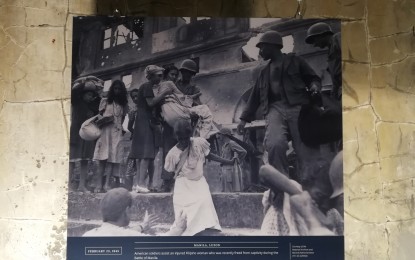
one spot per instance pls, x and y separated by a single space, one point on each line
239 213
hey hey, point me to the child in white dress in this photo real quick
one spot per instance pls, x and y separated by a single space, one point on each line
191 191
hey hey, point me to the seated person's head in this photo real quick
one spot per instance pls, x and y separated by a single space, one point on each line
183 132
114 207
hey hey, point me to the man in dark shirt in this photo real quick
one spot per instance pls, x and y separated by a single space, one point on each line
320 35
279 92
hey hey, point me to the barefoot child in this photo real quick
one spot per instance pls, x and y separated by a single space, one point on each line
231 176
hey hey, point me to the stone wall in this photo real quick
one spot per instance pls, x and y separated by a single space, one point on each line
379 100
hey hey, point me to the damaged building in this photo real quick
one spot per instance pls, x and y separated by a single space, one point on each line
121 47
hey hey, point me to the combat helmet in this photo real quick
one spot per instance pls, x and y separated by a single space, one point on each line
316 30
189 65
271 37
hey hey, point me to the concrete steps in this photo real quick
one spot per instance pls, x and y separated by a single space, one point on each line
78 228
237 212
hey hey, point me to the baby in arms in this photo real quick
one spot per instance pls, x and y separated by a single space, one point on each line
178 106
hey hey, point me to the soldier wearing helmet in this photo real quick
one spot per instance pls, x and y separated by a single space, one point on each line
321 35
188 69
279 92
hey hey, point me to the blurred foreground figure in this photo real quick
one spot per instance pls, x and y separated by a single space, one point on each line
291 211
115 217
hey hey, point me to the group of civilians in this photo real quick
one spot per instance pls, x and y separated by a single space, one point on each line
169 114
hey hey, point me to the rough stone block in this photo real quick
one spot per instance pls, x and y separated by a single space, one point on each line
68 54
47 196
274 8
41 239
82 7
399 199
387 17
69 27
45 17
44 119
46 48
350 156
362 190
4 38
66 104
9 54
12 175
169 8
12 16
365 209
67 83
365 240
396 139
17 35
391 49
356 85
259 9
2 92
211 8
349 9
397 168
393 105
365 182
401 237
354 42
159 8
400 76
359 126
18 3
26 89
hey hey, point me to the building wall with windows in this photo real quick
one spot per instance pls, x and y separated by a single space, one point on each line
122 47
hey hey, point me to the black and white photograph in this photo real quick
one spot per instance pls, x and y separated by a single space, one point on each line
204 126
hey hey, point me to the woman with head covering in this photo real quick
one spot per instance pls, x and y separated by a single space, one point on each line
85 102
108 149
191 191
144 147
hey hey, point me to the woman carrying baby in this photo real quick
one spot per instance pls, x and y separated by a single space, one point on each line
145 142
